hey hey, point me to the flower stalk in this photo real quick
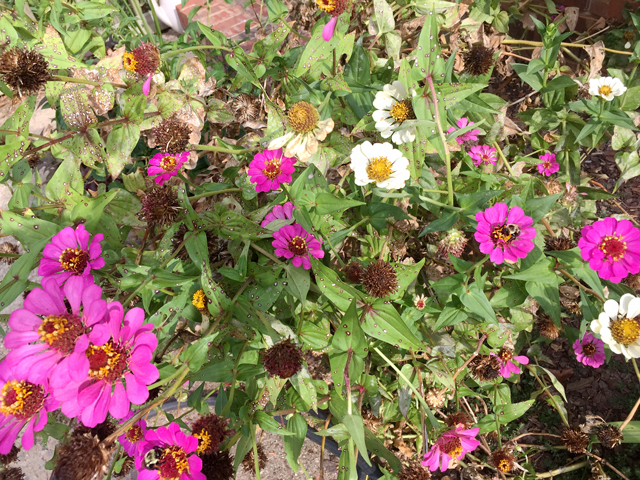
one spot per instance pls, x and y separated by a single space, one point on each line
443 139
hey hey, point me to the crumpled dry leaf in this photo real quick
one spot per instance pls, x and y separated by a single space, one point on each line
571 17
192 70
113 60
596 55
527 22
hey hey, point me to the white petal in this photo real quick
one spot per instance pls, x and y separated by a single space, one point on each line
611 309
616 348
595 326
379 115
383 101
386 133
634 350
280 142
633 310
397 137
399 87
312 145
624 303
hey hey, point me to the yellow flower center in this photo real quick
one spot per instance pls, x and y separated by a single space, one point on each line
605 90
303 117
60 332
625 330
74 260
504 465
168 163
297 245
271 168
379 169
172 463
204 441
505 354
453 448
134 434
129 62
21 399
326 5
402 111
613 247
107 361
199 300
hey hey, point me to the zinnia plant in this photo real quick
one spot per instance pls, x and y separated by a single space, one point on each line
269 169
450 447
295 243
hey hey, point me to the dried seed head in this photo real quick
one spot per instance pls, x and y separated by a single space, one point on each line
484 368
558 244
414 471
453 243
379 279
460 418
553 186
434 398
128 465
546 327
210 430
10 457
284 359
11 474
249 465
354 272
11 249
633 281
571 305
478 60
146 58
245 108
159 206
172 135
574 439
217 466
82 458
610 436
302 117
24 71
503 460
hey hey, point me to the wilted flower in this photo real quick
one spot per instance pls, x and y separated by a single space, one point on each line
335 9
610 436
612 248
484 368
83 457
284 359
459 418
434 398
414 471
548 165
393 107
12 473
503 460
245 107
380 279
159 206
279 212
506 234
70 253
218 466
269 169
478 60
555 244
11 249
166 165
379 163
199 300
293 241
470 136
547 327
450 447
172 135
619 325
10 457
128 465
143 60
453 243
420 301
24 71
507 367
249 464
483 155
210 430
553 186
354 271
574 439
589 350
132 440
606 87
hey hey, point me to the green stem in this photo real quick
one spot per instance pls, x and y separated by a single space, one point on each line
213 148
210 194
546 389
265 253
443 138
227 407
624 95
443 205
157 23
113 464
165 380
84 81
560 471
256 459
512 41
635 367
138 9
10 255
9 285
197 47
504 159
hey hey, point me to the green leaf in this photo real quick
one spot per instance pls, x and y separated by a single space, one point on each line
475 201
450 316
539 207
631 98
75 107
303 384
477 302
269 424
445 222
55 52
338 292
120 143
428 53
547 296
559 82
555 381
510 295
541 272
19 272
28 229
383 17
293 443
299 282
20 119
632 430
90 209
10 154
355 427
327 203
317 55
349 335
382 321
510 412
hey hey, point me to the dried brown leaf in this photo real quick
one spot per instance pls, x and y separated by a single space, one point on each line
596 55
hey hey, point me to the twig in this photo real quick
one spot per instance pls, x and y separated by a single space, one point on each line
548 227
574 280
561 470
631 414
602 460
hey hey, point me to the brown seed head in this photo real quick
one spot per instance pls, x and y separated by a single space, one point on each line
379 279
571 305
249 465
11 474
478 60
503 460
460 418
159 206
128 465
284 359
354 272
245 108
609 436
453 243
558 244
24 71
633 281
10 457
217 466
484 368
147 58
574 439
414 471
172 135
434 398
82 458
546 327
553 186
210 430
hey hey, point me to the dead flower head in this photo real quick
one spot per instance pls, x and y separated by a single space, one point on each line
217 466
210 430
380 279
434 398
546 327
10 457
24 71
609 436
83 457
172 135
558 244
249 464
284 359
11 249
159 206
245 107
503 460
478 60
414 471
484 368
574 439
460 418
353 271
11 474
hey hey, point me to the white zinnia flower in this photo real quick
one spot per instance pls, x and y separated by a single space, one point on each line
606 87
393 107
619 325
308 130
380 163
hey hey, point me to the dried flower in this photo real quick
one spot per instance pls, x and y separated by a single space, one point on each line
453 243
24 71
172 135
589 351
547 327
217 466
284 359
478 60
249 464
210 430
484 368
200 301
634 282
414 471
10 457
420 301
354 271
459 418
245 107
143 60
380 279
503 460
128 465
610 436
159 206
11 249
434 398
574 439
82 458
558 244
553 186
11 474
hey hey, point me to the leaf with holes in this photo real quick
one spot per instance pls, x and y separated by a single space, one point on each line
54 51
120 143
11 154
406 274
75 107
382 321
20 119
317 53
337 291
452 93
349 335
428 55
508 413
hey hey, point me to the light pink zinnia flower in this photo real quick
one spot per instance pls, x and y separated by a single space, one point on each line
70 254
483 155
470 136
549 164
269 169
279 212
48 342
126 358
451 446
22 403
175 454
166 165
612 248
132 440
293 241
589 351
504 233
507 367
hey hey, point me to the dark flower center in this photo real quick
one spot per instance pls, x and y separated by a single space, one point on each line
168 163
589 349
453 448
61 332
107 362
504 234
21 399
172 463
74 260
613 247
298 246
134 434
505 354
272 168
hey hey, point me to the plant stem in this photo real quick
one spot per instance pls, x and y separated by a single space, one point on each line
265 253
443 139
197 47
443 205
213 148
504 159
157 23
631 414
256 460
513 41
84 81
227 407
546 389
582 287
138 9
210 194
561 470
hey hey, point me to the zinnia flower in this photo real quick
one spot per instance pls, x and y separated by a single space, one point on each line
606 87
589 350
380 163
335 9
126 358
470 136
132 440
175 454
307 131
612 248
293 241
619 325
48 342
507 367
504 233
166 165
143 60
269 169
420 301
279 212
483 155
549 165
450 447
70 254
393 106
22 403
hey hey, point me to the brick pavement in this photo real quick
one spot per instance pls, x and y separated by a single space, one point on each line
227 18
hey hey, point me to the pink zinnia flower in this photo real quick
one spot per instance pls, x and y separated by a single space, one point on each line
483 155
549 164
269 169
70 253
612 248
166 165
507 367
126 358
21 403
589 351
470 136
279 212
175 453
451 446
48 342
293 241
132 440
504 233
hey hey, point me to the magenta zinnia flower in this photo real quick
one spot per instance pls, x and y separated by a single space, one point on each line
21 403
166 165
504 233
48 342
269 169
471 135
279 212
612 248
70 253
451 446
293 241
132 440
507 367
589 351
175 453
549 164
483 155
126 358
